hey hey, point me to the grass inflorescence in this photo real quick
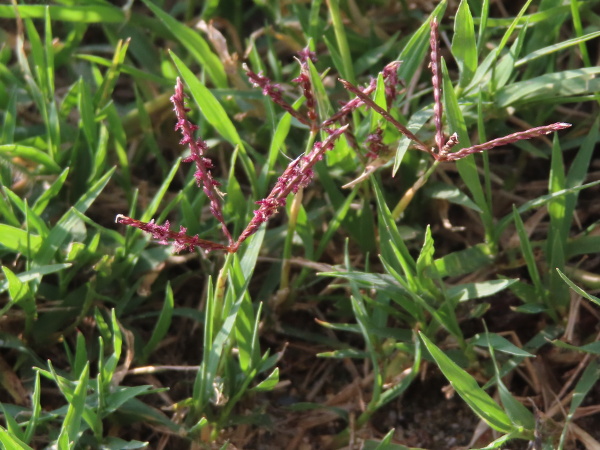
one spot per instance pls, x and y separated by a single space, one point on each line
375 208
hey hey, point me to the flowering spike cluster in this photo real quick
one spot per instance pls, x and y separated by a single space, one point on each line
350 106
499 142
198 147
303 79
391 81
164 235
390 77
375 143
443 148
273 90
386 115
436 81
298 174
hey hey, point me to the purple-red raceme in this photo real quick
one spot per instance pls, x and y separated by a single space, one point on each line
165 236
273 90
298 174
436 81
197 147
509 139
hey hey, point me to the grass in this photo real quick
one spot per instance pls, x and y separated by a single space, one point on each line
390 267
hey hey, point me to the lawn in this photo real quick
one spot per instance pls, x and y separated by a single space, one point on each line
327 224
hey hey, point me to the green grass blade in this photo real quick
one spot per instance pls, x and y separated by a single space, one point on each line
72 422
578 290
464 47
565 84
485 11
465 385
19 241
540 201
66 223
468 291
12 425
527 251
516 411
72 13
50 193
195 44
390 236
8 440
588 379
504 68
413 53
489 62
545 51
32 154
162 325
160 193
36 410
347 69
466 166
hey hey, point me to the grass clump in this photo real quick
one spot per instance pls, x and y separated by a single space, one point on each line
426 258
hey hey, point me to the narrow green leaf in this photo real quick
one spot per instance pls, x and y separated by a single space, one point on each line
414 124
92 13
516 411
588 379
540 201
36 409
195 44
464 47
49 52
577 289
17 289
527 251
465 385
556 48
30 153
468 291
451 194
162 325
18 240
10 120
347 69
565 84
72 422
389 235
413 53
10 441
105 91
34 273
499 343
324 107
52 191
63 227
269 383
160 193
13 426
503 69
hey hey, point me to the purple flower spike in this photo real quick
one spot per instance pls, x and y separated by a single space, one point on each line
298 174
272 90
436 81
197 147
511 138
164 235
